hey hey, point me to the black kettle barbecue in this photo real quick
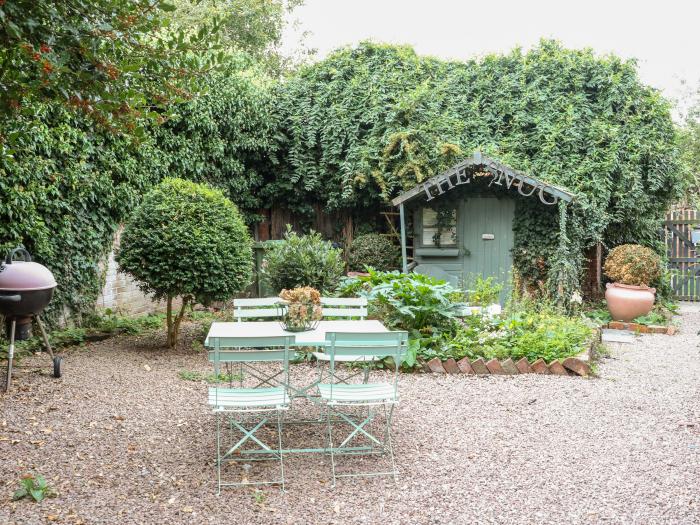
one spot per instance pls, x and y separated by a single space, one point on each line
26 288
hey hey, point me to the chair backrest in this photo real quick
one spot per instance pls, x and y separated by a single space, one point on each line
252 349
255 308
344 307
378 344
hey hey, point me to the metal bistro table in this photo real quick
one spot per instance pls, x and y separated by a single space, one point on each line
230 334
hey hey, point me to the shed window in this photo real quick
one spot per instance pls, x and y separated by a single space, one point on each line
439 231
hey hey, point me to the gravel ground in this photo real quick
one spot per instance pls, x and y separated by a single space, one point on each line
124 440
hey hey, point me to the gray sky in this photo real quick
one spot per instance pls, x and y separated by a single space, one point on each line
664 35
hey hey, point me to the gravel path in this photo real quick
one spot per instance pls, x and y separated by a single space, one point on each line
125 440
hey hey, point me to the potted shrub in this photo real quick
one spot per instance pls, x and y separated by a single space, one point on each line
632 268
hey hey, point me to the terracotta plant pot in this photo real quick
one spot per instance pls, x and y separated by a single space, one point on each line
627 302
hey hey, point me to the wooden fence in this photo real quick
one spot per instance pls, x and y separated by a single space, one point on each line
683 257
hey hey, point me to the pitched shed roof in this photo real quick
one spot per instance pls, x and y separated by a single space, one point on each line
456 176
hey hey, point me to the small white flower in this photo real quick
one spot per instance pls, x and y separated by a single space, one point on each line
576 298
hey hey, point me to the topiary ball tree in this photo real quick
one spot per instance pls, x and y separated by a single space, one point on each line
186 240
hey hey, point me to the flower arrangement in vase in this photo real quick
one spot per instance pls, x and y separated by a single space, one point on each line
300 309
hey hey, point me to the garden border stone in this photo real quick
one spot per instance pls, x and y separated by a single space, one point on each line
579 365
641 328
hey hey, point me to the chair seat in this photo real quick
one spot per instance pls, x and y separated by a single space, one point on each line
339 358
233 398
357 393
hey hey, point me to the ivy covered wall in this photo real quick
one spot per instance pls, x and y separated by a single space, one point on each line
369 122
69 185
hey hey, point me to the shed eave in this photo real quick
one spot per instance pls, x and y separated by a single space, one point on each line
477 159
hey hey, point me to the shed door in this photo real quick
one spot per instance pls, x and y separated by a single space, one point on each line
486 226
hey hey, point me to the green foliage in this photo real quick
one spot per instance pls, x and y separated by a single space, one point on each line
302 260
411 302
689 145
483 292
632 264
375 250
226 138
187 240
114 60
63 195
368 122
34 487
529 334
254 27
112 323
599 316
193 375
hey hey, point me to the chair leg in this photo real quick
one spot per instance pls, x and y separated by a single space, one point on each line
218 454
389 443
330 442
279 442
365 377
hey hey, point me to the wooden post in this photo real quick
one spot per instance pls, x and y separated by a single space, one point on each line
404 259
598 268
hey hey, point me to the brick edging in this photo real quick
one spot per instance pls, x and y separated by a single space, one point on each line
641 328
571 366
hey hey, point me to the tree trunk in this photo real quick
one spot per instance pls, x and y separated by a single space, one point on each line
169 322
178 320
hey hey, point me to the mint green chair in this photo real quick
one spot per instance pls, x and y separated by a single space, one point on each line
251 406
373 399
345 308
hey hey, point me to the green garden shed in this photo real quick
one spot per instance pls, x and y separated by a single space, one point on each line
462 221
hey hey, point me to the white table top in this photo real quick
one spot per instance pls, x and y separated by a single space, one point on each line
315 337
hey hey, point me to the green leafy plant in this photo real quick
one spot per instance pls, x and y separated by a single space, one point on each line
407 301
599 316
34 487
186 240
652 318
632 264
302 260
483 292
374 250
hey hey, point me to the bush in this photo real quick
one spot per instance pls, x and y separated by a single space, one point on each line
373 250
529 334
186 240
302 260
484 292
633 264
411 302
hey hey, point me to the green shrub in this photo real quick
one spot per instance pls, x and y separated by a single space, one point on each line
373 250
483 292
411 301
533 335
633 264
186 240
302 260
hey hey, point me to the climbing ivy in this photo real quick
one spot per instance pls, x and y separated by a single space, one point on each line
71 184
64 193
226 138
369 122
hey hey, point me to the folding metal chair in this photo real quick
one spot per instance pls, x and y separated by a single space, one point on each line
234 404
345 308
375 397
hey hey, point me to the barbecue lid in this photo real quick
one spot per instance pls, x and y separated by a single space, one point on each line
23 276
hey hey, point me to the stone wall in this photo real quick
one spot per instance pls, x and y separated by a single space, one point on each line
120 293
